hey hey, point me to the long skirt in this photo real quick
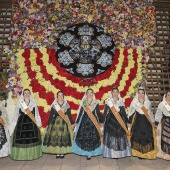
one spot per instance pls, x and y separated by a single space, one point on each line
26 140
143 140
163 138
87 140
115 143
116 147
4 142
57 137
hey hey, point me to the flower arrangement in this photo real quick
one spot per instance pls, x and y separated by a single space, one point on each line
44 77
33 41
3 83
131 24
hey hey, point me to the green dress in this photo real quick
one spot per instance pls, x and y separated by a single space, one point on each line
26 139
58 135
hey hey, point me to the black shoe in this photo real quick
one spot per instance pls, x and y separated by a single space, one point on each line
61 156
88 157
57 156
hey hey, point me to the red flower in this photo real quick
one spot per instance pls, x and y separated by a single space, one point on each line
50 98
44 116
128 102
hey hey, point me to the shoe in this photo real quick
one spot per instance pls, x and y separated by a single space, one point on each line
61 156
88 157
57 156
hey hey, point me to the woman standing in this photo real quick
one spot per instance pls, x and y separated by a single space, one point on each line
143 140
162 122
59 134
4 135
26 139
87 141
115 142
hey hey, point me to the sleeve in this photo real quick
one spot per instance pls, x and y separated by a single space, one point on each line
131 114
97 109
37 117
14 121
158 115
106 109
53 112
79 115
123 112
6 120
4 115
151 113
69 115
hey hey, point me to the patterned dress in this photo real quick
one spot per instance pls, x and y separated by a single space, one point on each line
4 136
143 139
115 143
162 119
58 135
87 140
26 137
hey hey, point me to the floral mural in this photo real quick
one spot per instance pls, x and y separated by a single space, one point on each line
35 30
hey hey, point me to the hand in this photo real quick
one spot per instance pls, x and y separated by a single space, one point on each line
10 133
109 102
101 125
129 126
74 125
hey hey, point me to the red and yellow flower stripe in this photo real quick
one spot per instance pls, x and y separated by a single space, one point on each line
42 74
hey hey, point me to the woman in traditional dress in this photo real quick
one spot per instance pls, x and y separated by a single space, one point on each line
87 141
115 142
4 134
59 134
141 118
162 122
26 138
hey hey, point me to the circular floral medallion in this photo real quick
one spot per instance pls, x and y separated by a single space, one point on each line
85 50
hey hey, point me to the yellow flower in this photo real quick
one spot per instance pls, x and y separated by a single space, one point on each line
116 12
59 9
90 18
144 71
30 31
15 80
15 100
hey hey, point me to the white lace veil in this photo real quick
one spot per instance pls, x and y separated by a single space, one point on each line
31 105
120 99
133 107
92 107
65 105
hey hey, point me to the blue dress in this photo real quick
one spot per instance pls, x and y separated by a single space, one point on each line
87 140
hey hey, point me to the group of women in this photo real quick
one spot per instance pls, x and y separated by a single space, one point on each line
113 135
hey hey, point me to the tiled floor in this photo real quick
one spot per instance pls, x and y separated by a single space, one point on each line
74 162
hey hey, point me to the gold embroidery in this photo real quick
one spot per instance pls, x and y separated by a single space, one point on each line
143 149
150 154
